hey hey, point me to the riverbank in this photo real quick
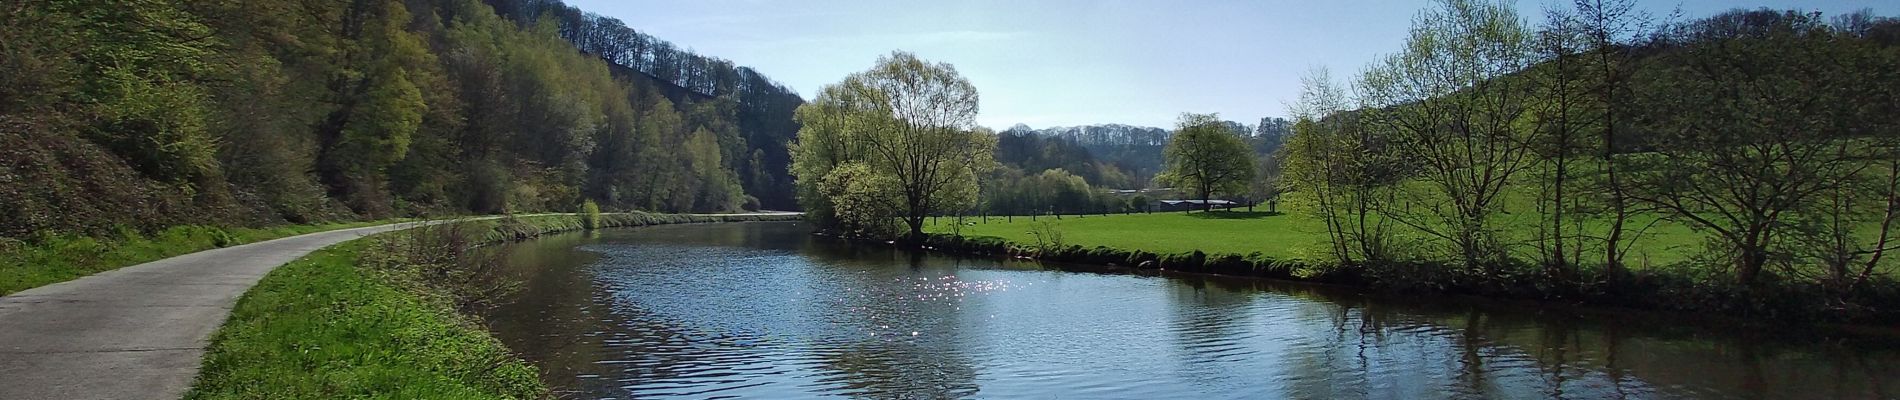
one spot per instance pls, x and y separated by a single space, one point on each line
388 316
763 310
1664 291
58 258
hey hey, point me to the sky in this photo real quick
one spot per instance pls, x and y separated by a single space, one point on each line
1074 62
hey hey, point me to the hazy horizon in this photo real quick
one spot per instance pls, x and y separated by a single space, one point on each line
1066 63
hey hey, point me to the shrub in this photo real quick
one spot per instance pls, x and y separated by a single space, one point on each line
590 215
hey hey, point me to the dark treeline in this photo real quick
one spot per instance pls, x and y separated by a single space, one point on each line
144 114
1071 169
1026 150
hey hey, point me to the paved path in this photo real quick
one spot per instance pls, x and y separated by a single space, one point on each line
140 332
137 332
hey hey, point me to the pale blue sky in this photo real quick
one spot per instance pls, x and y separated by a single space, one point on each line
1073 62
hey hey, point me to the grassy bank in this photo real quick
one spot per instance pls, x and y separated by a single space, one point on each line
325 327
1283 246
391 316
1291 234
53 259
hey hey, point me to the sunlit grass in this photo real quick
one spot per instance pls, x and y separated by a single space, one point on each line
325 327
1295 233
53 259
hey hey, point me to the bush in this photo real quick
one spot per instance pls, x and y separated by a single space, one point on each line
590 215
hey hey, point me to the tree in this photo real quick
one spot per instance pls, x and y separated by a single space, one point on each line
1448 107
821 146
1754 125
864 201
1562 114
1609 28
1346 172
1206 156
905 118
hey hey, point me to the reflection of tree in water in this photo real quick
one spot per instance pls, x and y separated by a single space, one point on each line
569 324
1334 355
909 346
1207 329
554 297
1472 377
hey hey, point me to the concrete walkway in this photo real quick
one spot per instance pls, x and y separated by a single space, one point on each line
140 332
137 332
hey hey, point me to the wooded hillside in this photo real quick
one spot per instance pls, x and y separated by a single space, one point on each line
150 113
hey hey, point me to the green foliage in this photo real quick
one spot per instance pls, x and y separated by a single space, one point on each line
263 112
590 215
380 135
1206 159
906 120
863 201
1010 192
159 127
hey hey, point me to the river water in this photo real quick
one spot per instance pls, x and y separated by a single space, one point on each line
764 310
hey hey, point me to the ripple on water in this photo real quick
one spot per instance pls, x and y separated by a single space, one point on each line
719 312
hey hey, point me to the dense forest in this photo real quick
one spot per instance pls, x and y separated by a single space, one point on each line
145 114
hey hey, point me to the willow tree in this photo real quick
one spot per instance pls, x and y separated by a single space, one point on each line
1206 157
905 119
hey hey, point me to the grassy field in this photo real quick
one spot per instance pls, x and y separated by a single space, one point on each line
322 327
49 260
1292 234
1277 235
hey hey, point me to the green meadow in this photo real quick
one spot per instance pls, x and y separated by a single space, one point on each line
1295 233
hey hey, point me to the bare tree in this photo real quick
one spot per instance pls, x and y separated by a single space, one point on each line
1610 29
1754 125
1562 114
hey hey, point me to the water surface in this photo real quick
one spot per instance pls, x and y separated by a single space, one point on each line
764 310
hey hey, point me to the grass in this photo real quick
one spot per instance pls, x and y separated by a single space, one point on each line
323 327
1276 235
1291 234
388 317
55 258
1673 272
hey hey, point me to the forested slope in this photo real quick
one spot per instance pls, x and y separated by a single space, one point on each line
150 113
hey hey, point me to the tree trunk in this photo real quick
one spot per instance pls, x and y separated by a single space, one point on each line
1749 269
1205 206
1754 255
916 223
1557 220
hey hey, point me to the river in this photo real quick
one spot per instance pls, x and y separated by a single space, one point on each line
765 310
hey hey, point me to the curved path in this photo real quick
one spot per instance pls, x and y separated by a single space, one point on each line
140 332
137 332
